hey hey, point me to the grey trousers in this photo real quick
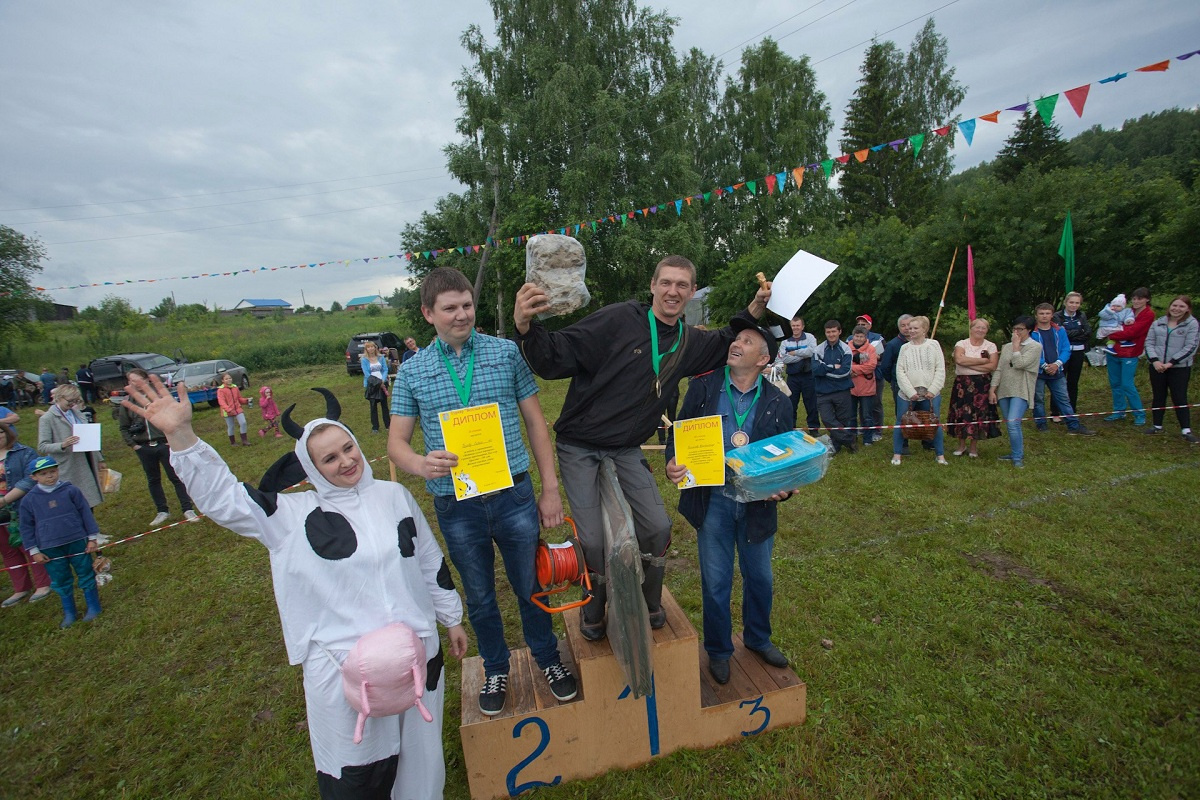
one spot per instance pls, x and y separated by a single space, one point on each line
580 470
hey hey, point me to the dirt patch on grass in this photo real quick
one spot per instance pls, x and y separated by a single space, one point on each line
1003 567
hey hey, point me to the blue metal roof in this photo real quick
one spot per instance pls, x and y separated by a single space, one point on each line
259 303
365 300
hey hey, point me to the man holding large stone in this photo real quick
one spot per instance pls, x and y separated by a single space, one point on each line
625 362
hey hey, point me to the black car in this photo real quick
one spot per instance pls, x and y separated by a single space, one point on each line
354 350
111 372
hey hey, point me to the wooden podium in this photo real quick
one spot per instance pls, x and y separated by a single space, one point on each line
538 741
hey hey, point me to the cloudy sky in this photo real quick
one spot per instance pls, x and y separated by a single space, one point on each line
149 140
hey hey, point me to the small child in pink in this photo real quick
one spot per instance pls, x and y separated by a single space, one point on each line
270 412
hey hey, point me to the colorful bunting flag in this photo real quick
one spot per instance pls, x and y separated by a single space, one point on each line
843 159
1077 97
798 176
1045 106
967 128
678 208
1021 108
1115 78
752 186
781 180
896 144
992 117
1186 56
1161 66
917 140
861 155
942 131
827 165
772 182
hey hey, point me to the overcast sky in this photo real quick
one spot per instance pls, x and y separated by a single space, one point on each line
218 136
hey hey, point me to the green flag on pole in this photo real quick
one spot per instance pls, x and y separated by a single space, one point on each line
1066 249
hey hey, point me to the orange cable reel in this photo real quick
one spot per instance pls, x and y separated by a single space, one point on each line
559 567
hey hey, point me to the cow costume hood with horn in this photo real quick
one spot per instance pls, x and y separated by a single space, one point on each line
344 562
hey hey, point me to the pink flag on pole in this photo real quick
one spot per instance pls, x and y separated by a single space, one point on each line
970 285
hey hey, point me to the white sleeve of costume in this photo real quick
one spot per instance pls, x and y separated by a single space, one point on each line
447 605
219 495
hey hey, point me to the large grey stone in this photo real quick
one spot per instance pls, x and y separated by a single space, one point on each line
558 265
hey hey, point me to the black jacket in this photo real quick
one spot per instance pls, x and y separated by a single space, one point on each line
1079 330
611 402
773 417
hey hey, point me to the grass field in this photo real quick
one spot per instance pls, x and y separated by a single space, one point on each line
994 633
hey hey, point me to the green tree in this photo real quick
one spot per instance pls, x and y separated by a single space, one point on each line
572 115
165 308
772 118
900 95
104 326
1032 144
335 306
20 259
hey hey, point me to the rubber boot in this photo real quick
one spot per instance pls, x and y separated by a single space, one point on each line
92 598
70 614
652 585
591 618
245 441
232 441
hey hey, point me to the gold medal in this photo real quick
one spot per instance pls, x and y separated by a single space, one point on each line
740 439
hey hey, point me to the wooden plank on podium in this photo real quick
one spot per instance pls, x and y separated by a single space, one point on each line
543 742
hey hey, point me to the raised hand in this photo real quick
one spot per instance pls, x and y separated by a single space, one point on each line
153 402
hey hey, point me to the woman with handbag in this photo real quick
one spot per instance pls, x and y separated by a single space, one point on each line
972 416
375 385
920 374
1013 384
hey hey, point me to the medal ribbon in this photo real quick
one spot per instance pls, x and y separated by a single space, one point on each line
654 354
740 419
463 387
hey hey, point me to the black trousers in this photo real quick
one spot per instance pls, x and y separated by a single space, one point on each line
155 459
387 414
1073 368
1175 380
367 782
803 387
837 414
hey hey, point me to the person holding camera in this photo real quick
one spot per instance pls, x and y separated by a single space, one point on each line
972 414
150 446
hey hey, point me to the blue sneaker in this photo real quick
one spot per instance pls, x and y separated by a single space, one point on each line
1117 417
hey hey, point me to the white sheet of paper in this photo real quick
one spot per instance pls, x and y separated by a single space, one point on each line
89 437
796 282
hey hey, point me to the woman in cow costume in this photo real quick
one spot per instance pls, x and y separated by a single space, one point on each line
346 560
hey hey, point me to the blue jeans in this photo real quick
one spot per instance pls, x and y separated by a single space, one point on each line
1011 411
724 529
59 568
864 411
510 519
902 405
1121 374
1058 391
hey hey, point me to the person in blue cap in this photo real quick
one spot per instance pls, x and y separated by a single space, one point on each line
59 531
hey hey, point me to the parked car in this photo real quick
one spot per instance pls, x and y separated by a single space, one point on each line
202 374
111 372
20 388
354 349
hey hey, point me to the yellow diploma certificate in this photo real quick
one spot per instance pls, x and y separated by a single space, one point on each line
477 438
700 446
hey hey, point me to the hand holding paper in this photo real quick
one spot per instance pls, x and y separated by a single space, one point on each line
796 282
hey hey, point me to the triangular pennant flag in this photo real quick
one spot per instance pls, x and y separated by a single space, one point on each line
593 225
967 128
1077 97
992 117
896 145
708 197
678 207
861 155
688 200
844 159
1161 66
798 176
1186 56
772 182
917 140
752 186
653 209
827 165
1045 107
781 180
878 147
942 131
624 220
1115 78
1020 108
736 186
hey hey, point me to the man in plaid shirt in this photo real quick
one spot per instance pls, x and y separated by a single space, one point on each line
461 369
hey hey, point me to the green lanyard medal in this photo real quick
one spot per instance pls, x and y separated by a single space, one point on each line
463 387
740 438
655 356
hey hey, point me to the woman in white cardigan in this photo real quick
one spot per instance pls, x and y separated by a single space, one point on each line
920 376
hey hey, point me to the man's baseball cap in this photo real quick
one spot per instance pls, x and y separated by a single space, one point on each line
867 317
739 324
43 463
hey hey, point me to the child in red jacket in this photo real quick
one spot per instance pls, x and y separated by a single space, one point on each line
862 375
270 412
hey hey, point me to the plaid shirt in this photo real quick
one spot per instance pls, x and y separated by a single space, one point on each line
423 389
